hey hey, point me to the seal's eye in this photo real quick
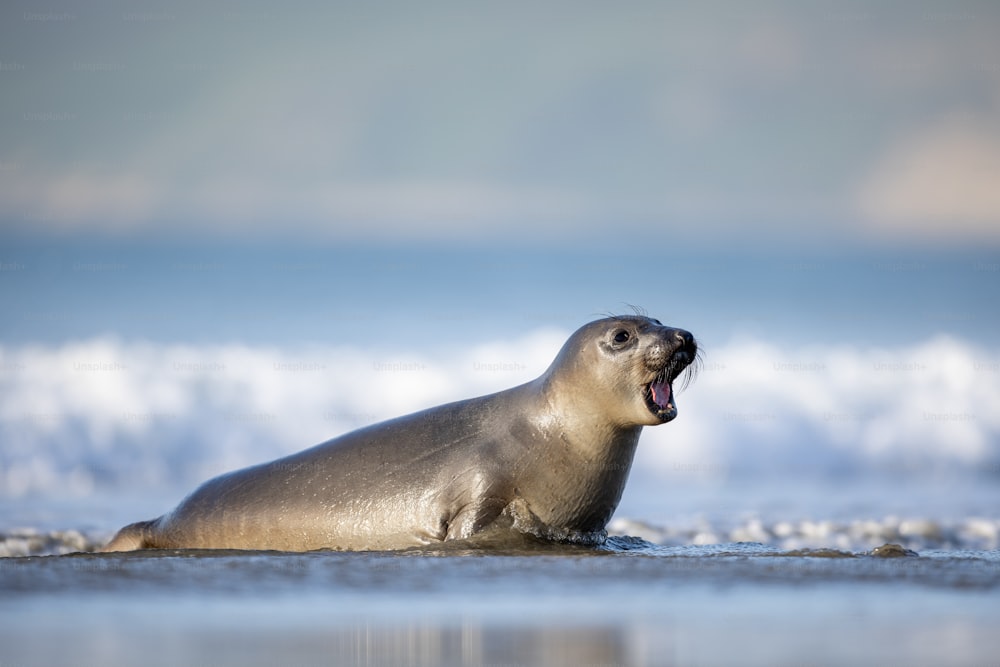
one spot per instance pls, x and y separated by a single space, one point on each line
622 337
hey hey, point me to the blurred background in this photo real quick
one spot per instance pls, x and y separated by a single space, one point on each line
231 232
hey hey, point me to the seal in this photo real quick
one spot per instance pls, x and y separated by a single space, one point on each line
547 459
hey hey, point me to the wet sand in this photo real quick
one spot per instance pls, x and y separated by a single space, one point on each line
632 603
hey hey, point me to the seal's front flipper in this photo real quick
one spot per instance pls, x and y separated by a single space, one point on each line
473 518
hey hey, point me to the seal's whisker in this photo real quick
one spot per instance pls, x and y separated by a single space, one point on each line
637 311
692 371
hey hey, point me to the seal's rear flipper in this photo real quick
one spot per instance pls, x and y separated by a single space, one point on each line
130 538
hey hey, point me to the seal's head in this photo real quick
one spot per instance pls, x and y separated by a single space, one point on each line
631 363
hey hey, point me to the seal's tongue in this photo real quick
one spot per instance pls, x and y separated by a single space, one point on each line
660 392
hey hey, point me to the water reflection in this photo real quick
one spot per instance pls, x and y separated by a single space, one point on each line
472 643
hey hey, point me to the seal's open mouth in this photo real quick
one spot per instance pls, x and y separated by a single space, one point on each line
659 397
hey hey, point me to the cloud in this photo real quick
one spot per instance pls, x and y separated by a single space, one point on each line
106 415
939 182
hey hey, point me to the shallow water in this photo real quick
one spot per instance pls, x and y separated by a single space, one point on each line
723 575
630 603
921 534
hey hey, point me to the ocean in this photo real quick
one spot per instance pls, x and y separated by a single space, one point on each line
844 403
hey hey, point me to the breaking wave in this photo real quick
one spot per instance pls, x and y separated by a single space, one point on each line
109 414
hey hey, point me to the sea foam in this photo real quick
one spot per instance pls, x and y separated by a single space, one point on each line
108 414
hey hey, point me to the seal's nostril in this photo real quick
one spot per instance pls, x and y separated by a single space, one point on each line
684 337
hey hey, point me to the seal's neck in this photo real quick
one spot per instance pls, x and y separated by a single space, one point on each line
582 419
593 455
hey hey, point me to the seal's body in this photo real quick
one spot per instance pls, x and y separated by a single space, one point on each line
548 458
